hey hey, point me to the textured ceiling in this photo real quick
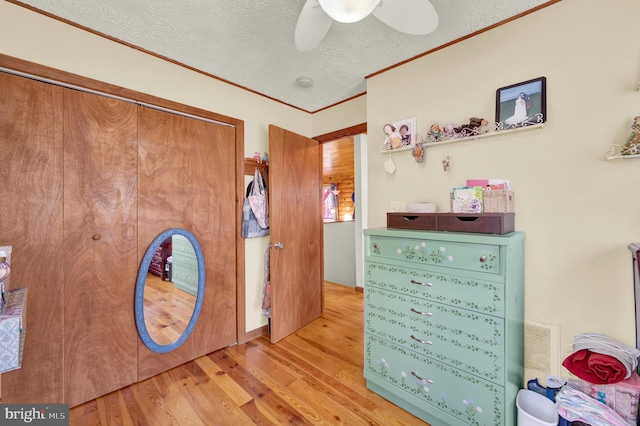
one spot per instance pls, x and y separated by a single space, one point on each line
251 42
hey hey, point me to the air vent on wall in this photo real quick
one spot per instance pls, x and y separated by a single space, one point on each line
541 350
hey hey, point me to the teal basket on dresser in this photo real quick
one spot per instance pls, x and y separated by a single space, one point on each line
444 324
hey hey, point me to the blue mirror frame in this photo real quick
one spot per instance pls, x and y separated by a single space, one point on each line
140 283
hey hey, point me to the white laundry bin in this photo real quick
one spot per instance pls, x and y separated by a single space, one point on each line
535 409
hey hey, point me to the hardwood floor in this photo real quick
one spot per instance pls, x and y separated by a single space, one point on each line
312 377
168 309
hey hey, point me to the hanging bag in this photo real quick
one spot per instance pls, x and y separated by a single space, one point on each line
251 227
259 201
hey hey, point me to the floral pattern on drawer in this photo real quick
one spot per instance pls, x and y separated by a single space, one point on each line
469 293
472 400
472 257
464 339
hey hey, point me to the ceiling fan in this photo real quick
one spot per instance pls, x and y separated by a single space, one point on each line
416 17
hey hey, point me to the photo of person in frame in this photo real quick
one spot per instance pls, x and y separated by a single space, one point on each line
406 130
521 104
405 135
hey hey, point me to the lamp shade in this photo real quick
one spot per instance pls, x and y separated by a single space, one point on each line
348 11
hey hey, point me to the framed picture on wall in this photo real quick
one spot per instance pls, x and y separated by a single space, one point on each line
400 134
521 104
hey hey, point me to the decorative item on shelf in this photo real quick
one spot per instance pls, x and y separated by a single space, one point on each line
446 163
407 130
265 158
389 165
257 157
521 104
631 149
392 139
418 151
435 133
476 126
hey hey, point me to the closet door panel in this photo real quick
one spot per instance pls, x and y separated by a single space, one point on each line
100 245
166 197
31 209
215 225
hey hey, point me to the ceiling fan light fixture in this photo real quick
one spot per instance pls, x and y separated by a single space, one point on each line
348 11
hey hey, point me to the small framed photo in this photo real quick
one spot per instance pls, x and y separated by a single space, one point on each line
522 104
400 134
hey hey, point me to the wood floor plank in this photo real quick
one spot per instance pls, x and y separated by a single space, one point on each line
223 381
179 404
271 374
196 388
113 411
312 377
267 401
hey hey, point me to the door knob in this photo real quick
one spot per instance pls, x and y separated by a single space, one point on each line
278 245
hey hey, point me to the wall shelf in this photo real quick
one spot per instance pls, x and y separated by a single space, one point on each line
614 153
467 138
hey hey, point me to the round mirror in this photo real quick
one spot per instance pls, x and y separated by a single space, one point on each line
169 290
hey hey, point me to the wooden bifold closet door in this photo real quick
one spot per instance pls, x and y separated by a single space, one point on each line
100 245
187 180
31 208
88 182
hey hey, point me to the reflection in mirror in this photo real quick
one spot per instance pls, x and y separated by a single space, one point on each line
169 291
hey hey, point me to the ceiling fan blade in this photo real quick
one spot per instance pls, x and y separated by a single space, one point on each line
416 17
313 24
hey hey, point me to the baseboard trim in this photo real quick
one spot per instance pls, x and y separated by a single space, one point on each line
254 334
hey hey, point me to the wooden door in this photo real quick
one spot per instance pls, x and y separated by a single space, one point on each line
295 196
31 209
187 180
100 245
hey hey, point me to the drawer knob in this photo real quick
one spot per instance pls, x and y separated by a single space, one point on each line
421 283
376 246
421 313
483 258
423 380
426 342
96 237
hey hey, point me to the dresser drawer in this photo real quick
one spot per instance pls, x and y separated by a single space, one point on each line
458 337
185 277
472 257
181 245
468 293
463 396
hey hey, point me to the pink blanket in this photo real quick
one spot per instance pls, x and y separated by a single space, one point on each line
595 368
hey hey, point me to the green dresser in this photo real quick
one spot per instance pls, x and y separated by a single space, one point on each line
444 324
184 265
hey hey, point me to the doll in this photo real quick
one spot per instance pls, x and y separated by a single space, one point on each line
632 146
393 139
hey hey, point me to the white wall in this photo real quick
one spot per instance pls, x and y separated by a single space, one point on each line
341 116
340 253
578 210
